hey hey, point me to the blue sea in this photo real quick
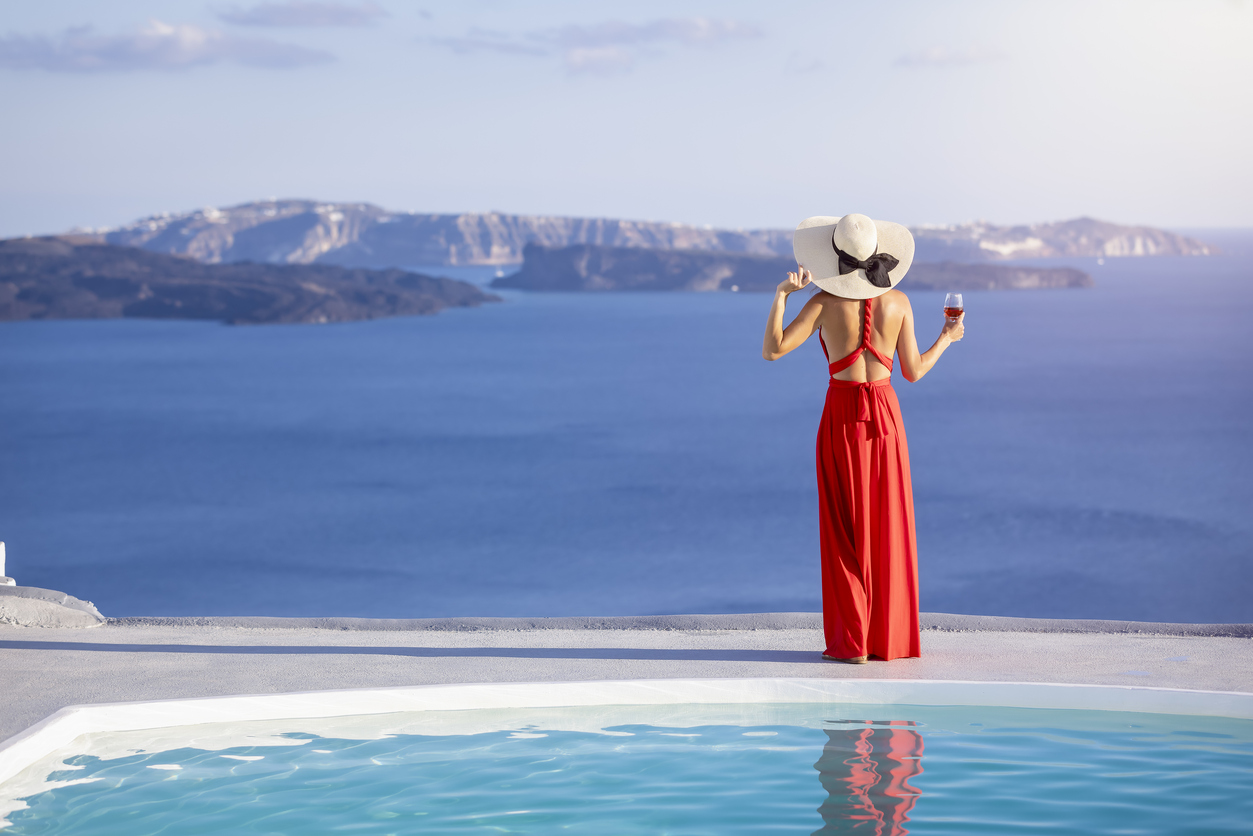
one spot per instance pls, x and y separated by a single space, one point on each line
1081 454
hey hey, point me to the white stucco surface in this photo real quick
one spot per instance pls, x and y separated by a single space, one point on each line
255 669
44 670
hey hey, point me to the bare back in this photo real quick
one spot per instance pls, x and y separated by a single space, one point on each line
840 326
839 323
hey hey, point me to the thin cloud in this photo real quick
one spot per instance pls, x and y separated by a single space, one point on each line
304 13
605 48
598 60
157 46
484 40
943 57
687 31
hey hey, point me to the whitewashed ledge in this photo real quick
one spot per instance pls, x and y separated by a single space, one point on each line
60 683
45 669
27 606
31 606
944 622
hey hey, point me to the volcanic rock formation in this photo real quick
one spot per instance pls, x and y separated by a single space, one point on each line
68 278
586 267
364 235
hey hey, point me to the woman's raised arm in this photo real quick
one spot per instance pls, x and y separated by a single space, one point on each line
779 340
913 364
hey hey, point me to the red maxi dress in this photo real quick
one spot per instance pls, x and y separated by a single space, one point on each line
866 516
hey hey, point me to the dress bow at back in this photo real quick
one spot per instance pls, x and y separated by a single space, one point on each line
870 403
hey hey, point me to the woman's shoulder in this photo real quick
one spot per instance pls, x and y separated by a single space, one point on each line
894 300
821 298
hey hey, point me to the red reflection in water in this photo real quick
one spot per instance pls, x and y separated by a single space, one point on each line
865 769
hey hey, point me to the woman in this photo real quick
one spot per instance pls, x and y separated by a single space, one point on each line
865 500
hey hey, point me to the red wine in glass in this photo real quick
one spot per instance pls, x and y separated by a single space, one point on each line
953 305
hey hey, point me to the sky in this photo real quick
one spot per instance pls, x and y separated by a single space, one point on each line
730 114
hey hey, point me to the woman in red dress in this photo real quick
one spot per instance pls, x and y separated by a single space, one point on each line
865 499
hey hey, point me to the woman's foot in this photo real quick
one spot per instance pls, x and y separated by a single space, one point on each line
852 660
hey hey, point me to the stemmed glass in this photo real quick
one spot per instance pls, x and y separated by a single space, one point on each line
953 305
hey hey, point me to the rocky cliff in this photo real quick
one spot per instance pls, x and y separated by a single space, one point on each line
948 275
1079 237
592 268
364 235
69 278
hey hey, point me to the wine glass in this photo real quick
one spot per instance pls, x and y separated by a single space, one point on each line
953 305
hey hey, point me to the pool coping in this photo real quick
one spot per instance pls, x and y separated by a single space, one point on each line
60 730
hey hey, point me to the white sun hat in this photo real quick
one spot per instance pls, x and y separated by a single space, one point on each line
853 256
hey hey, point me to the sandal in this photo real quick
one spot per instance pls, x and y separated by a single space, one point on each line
854 660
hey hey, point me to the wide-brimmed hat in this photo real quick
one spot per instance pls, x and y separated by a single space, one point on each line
853 256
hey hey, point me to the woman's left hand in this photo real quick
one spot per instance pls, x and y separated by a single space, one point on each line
795 281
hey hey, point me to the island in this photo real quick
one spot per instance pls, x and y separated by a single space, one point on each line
67 277
594 268
364 235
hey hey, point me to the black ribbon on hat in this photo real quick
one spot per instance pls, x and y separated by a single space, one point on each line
876 267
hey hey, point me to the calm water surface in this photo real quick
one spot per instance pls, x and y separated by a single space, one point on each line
1082 453
808 769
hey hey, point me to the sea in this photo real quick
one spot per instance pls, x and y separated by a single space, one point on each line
1083 453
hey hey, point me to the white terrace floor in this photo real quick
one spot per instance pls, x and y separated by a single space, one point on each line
44 669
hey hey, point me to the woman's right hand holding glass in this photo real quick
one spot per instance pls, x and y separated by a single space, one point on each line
954 329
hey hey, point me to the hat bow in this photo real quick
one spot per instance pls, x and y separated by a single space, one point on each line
876 267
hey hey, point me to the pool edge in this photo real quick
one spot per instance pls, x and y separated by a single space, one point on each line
62 728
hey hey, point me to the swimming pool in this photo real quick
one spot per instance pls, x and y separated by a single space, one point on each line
693 769
820 766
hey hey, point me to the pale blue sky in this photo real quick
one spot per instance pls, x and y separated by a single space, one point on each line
732 114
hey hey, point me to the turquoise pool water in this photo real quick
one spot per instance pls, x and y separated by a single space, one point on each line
784 769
